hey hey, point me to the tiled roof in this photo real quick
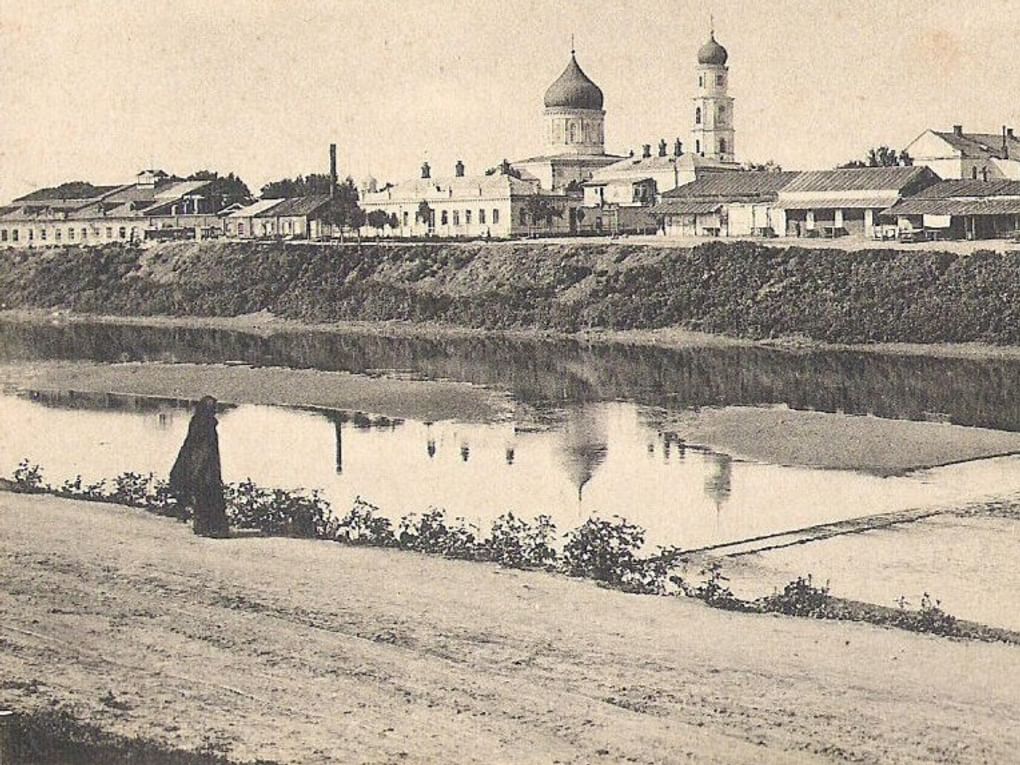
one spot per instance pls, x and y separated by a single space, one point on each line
685 207
294 206
255 208
828 202
736 185
968 188
980 145
856 179
950 206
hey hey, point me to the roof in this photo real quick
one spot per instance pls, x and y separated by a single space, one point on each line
968 188
571 159
573 89
980 145
496 185
829 202
856 179
929 206
295 206
641 167
68 191
736 185
685 207
712 52
255 208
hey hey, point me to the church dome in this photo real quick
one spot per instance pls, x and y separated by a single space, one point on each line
712 53
573 90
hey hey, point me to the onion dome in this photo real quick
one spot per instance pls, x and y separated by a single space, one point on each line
573 90
712 52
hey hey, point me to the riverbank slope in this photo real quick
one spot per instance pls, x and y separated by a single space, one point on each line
741 288
301 651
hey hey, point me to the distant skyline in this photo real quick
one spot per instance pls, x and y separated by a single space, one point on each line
98 91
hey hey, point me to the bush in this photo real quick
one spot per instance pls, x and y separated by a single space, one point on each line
28 478
278 512
928 618
606 550
713 589
515 543
362 526
429 533
801 598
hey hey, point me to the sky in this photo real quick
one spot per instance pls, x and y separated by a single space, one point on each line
100 90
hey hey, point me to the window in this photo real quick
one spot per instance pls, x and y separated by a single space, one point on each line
722 145
56 234
456 217
973 173
697 116
720 80
122 232
407 217
109 232
70 234
3 235
697 146
31 235
984 173
722 115
467 217
495 215
84 232
14 235
573 132
42 231
524 217
481 217
444 218
701 80
240 228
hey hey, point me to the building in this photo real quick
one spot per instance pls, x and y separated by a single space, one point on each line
974 156
713 133
574 133
725 204
471 206
156 205
849 201
960 209
244 224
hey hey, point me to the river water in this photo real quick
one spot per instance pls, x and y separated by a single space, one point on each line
598 449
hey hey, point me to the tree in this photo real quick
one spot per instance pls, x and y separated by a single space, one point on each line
379 219
344 211
228 188
299 186
881 156
539 208
770 166
424 213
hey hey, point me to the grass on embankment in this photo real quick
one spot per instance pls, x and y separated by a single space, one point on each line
737 288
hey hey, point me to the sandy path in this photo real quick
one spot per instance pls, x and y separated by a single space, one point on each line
310 652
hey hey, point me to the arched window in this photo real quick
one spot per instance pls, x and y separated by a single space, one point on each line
973 173
697 146
573 132
722 115
697 116
701 80
722 145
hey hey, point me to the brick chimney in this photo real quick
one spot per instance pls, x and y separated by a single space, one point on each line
678 148
458 169
332 170
1005 143
958 130
646 151
662 147
426 171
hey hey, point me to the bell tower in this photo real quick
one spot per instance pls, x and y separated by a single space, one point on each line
712 135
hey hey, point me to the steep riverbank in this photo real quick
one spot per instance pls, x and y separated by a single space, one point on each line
741 289
335 654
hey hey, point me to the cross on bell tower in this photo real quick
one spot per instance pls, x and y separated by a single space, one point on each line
713 133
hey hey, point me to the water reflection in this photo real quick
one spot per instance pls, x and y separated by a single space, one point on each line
594 458
964 391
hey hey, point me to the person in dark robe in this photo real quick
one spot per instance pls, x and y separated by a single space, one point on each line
195 478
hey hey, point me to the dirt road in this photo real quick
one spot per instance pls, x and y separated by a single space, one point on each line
310 652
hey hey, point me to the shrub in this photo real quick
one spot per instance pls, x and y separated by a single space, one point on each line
278 512
713 589
801 598
362 526
429 533
606 550
28 478
928 618
131 489
515 543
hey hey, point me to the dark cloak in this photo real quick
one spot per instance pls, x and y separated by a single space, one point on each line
195 479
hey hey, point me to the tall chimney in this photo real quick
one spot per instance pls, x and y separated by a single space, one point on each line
426 171
332 170
1005 144
646 151
458 169
662 147
957 129
1009 132
678 148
